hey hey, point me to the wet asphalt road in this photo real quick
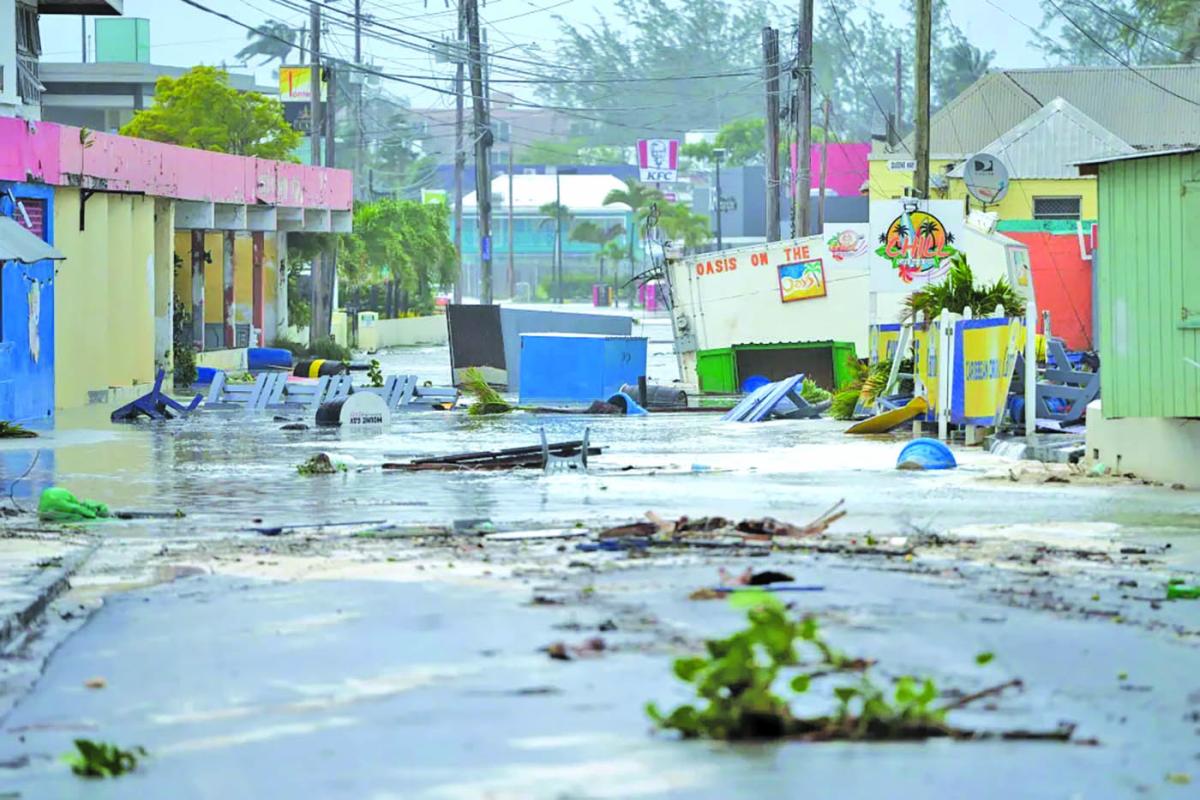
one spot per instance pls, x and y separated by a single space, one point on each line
384 689
431 684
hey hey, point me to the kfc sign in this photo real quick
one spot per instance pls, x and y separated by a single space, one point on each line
658 160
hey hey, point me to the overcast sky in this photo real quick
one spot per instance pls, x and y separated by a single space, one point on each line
181 35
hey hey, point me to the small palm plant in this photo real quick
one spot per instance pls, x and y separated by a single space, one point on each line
958 292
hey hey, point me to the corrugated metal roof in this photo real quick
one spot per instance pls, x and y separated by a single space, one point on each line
1146 108
18 244
1047 142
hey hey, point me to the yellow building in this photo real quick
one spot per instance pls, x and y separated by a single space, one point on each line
1038 123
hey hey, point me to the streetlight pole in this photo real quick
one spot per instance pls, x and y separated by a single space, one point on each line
718 154
558 298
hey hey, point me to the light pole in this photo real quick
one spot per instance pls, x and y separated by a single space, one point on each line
558 215
718 154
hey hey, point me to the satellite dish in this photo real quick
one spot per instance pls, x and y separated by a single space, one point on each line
986 178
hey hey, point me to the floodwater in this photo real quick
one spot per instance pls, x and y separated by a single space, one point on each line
299 667
229 472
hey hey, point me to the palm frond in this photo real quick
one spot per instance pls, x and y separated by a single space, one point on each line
487 399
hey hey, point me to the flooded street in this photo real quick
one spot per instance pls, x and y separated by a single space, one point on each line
366 650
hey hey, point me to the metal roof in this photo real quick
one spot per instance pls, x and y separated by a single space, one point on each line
1147 107
1049 141
18 244
1091 166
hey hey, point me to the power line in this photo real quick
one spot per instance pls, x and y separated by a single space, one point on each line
1116 57
857 73
1134 29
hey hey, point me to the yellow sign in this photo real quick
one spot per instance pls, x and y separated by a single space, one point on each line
803 280
884 341
987 351
925 360
295 85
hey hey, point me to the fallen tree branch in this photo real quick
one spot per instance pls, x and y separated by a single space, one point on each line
990 691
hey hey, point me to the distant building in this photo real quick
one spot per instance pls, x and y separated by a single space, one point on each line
1038 122
105 96
532 233
21 48
513 124
1148 418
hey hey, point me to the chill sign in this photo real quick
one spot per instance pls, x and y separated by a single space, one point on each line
658 160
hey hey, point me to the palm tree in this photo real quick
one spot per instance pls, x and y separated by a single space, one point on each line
272 40
594 233
680 224
636 195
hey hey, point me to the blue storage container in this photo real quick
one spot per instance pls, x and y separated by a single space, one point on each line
578 368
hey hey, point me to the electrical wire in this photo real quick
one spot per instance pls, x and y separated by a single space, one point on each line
1134 29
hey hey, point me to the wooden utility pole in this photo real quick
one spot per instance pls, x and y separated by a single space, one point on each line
360 134
483 144
924 28
329 259
316 302
803 121
770 41
314 103
460 155
824 166
897 103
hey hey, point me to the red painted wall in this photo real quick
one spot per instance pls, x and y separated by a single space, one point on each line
1062 281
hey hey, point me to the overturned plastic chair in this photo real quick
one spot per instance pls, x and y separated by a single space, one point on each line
552 462
155 404
267 390
779 399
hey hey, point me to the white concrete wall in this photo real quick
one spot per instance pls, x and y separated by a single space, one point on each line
409 331
1154 448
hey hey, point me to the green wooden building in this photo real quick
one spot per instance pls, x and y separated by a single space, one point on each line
1148 313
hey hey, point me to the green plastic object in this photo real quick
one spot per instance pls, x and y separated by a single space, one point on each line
59 505
1178 590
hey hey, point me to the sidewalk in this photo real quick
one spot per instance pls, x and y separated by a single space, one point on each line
34 570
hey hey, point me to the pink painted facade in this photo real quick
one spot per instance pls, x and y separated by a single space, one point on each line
60 155
847 168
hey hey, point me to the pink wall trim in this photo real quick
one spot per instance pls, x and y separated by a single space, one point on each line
64 156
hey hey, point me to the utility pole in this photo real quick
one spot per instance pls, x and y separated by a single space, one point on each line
460 156
924 27
897 103
824 166
804 121
512 268
329 260
83 35
314 107
316 272
483 144
770 41
361 139
718 154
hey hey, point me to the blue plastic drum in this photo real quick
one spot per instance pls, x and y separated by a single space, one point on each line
926 454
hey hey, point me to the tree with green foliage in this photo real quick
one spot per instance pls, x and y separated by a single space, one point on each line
854 49
200 109
576 150
403 243
680 224
273 40
1179 21
663 39
1128 29
744 142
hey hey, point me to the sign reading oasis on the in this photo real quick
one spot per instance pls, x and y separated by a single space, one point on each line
798 269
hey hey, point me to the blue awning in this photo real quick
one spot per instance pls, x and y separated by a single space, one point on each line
18 244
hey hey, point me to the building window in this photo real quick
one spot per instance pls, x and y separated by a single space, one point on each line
29 48
1056 207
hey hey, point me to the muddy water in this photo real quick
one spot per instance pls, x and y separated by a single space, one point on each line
227 472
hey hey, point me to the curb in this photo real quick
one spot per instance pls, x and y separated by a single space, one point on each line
48 587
